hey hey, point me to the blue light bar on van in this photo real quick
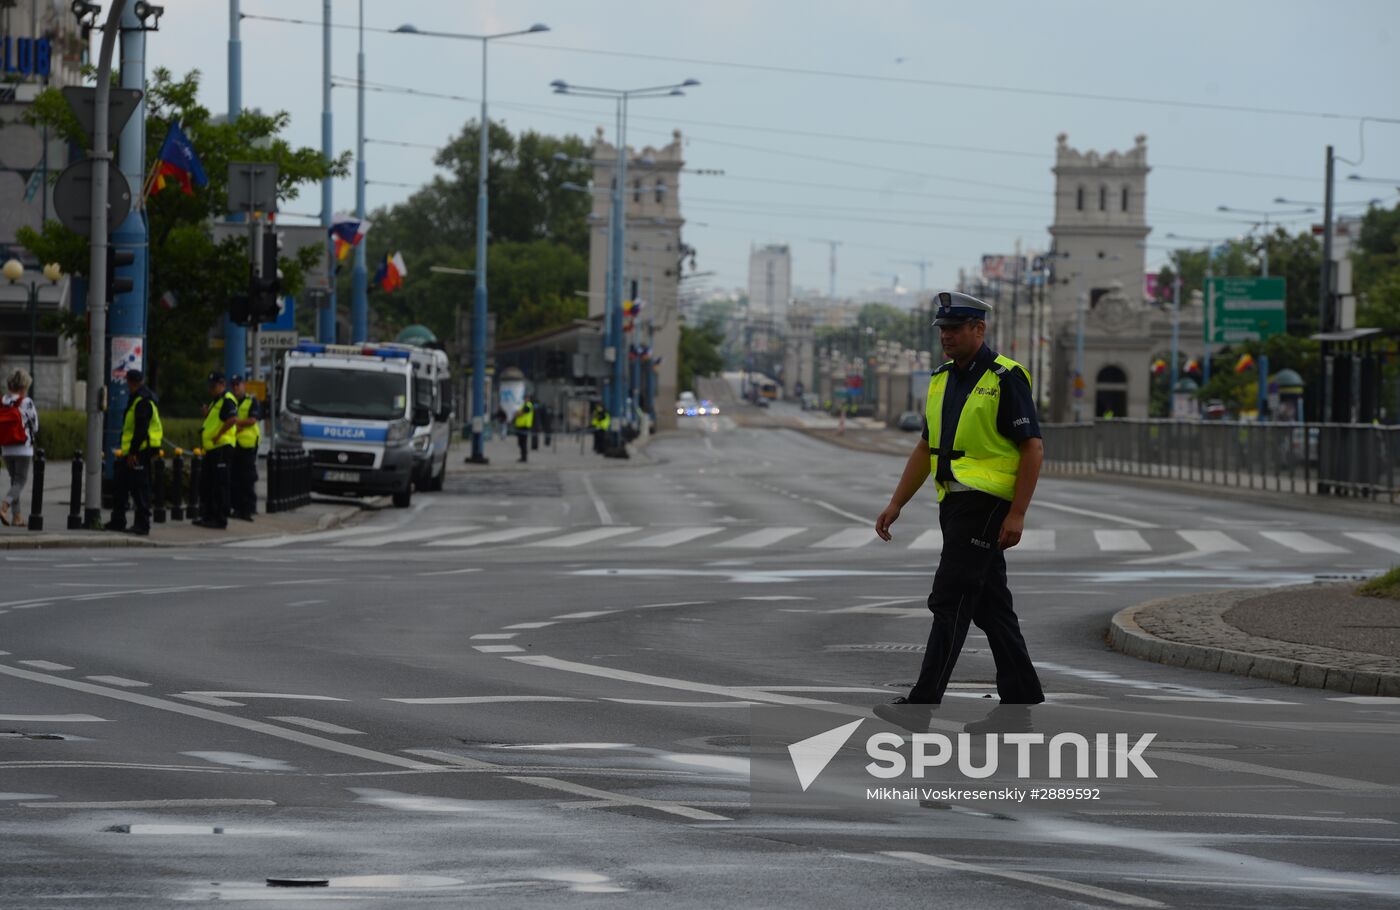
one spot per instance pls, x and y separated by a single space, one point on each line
307 347
390 355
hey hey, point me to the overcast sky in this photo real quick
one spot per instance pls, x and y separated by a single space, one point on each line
920 130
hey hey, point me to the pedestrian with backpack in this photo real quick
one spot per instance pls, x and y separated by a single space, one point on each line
19 426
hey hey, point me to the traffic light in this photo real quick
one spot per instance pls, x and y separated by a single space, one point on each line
264 289
119 258
238 313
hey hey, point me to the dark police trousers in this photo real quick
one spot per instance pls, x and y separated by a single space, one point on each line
970 586
524 437
134 484
244 477
214 486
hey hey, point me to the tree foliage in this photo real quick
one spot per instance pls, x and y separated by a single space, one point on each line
185 261
699 353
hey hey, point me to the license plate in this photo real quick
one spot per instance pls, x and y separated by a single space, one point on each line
342 476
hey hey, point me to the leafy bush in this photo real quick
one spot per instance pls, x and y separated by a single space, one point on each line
1387 585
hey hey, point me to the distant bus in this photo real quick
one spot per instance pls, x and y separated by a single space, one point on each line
768 390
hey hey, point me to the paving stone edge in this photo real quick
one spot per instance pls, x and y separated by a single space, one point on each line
1195 635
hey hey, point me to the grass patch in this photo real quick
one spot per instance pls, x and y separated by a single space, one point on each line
1387 585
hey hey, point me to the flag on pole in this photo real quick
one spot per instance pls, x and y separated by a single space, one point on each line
178 161
391 272
1159 366
1191 366
1244 363
347 231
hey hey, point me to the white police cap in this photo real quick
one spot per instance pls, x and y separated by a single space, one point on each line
955 308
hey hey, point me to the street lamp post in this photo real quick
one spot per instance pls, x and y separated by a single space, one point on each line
618 394
13 270
1267 215
479 295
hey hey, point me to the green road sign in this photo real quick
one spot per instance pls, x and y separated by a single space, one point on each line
1244 309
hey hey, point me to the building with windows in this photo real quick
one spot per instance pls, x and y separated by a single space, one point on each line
40 46
770 282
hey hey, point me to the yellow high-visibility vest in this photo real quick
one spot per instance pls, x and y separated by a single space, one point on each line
247 437
525 417
989 460
154 433
212 422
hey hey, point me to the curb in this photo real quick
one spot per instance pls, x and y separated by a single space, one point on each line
1210 643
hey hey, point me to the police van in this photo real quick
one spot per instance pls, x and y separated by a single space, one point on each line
374 417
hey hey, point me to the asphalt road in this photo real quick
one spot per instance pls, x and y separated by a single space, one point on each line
537 687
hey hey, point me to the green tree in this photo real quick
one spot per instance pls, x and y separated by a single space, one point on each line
185 260
699 353
1297 258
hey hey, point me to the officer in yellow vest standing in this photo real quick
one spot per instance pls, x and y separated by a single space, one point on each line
243 497
142 435
217 438
525 425
599 421
982 445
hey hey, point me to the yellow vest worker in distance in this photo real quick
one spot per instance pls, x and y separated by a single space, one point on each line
243 469
217 438
142 435
982 445
524 425
600 422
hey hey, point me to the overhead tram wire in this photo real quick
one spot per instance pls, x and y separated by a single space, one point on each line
895 80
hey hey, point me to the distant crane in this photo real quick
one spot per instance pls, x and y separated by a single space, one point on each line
833 244
923 265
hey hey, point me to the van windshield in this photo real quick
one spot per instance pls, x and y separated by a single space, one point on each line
357 394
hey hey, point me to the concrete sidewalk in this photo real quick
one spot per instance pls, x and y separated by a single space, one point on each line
321 514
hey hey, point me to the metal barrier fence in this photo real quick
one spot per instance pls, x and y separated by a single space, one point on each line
288 479
1355 460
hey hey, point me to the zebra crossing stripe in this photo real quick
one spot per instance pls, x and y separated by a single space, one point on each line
1384 541
580 538
1212 542
1122 541
928 540
502 536
847 539
406 536
1037 540
672 538
764 537
266 543
1301 542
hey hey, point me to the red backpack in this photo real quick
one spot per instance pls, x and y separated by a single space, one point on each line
12 431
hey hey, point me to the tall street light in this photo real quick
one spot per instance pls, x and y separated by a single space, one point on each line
1266 215
13 270
613 312
479 296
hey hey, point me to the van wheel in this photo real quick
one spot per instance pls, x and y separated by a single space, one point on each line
402 499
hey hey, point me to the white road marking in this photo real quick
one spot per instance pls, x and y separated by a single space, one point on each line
863 519
1368 699
848 539
531 625
681 704
1213 542
738 692
587 614
243 760
1130 522
1301 542
155 804
497 649
497 636
406 536
604 516
928 540
821 689
777 597
460 761
253 726
281 540
321 725
287 695
880 607
482 699
208 700
305 603
764 537
303 581
1330 781
1384 541
450 572
673 538
938 862
1327 820
622 799
1037 540
579 538
486 537
118 681
44 665
53 718
1121 541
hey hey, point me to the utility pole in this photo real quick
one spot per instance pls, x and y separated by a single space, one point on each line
1324 291
831 268
97 271
325 315
235 339
1176 331
359 276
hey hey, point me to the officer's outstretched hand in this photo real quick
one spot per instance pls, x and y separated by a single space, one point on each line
1011 529
887 518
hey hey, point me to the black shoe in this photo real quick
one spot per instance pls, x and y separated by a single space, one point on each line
902 712
1003 719
114 526
139 532
243 516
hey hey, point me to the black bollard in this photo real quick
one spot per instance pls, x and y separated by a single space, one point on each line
75 494
177 480
274 482
158 488
196 463
36 500
305 475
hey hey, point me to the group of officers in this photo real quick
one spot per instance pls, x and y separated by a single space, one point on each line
229 440
531 411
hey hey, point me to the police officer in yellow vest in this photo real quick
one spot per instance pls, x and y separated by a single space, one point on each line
142 435
243 473
600 422
982 445
524 425
216 438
